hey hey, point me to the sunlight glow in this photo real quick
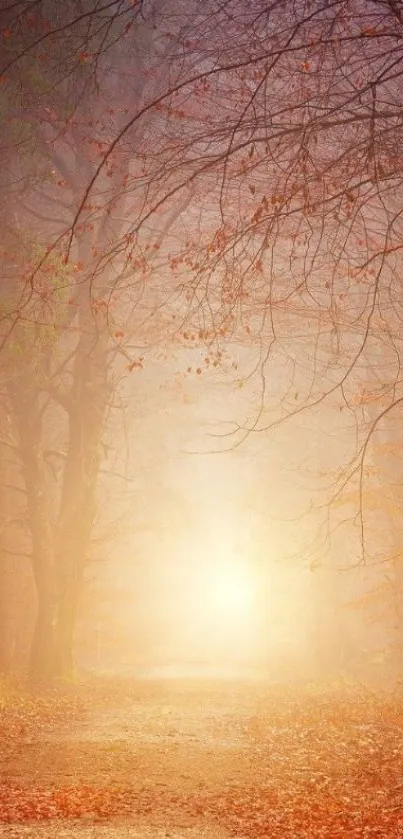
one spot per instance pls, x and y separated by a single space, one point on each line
221 616
231 594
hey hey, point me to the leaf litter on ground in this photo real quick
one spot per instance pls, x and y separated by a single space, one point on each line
250 759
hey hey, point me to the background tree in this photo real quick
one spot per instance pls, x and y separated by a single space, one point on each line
279 128
62 318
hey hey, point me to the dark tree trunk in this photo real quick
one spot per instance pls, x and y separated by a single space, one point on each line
43 663
89 398
65 623
60 541
24 400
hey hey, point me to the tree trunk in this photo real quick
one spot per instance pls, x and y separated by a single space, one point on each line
5 652
42 665
29 425
78 498
61 539
65 623
386 448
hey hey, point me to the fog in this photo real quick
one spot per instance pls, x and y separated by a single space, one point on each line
201 575
225 560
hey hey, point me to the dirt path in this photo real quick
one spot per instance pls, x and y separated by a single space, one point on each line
205 760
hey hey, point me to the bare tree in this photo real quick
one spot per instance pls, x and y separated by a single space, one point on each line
67 285
279 127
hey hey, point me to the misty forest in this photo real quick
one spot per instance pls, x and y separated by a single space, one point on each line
201 352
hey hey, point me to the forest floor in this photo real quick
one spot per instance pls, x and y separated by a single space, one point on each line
201 759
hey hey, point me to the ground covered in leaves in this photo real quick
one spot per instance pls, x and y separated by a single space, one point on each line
201 759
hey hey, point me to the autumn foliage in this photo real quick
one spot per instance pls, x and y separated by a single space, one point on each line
245 758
